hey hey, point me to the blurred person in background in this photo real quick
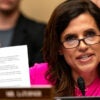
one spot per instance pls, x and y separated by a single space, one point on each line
16 29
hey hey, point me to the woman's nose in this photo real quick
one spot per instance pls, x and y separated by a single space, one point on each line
83 46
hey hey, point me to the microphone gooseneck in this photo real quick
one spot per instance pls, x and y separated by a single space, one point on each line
81 85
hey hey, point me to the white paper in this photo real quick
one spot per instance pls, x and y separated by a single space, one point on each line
14 68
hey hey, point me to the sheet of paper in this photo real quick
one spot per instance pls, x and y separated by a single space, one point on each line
14 68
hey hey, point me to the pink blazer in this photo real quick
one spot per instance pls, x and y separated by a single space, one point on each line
37 77
37 74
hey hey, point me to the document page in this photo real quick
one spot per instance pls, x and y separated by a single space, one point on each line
14 68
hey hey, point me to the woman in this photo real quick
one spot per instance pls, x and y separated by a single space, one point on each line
71 50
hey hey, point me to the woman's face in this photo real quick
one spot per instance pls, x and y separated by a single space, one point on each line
97 2
83 58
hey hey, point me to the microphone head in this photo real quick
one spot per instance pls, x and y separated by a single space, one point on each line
81 85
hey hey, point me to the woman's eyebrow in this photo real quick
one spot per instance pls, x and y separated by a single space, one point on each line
89 30
70 34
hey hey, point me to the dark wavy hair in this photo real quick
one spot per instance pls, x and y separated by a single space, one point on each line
59 72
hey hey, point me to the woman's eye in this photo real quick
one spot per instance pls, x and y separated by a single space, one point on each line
71 38
90 34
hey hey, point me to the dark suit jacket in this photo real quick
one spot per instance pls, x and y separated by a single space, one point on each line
31 33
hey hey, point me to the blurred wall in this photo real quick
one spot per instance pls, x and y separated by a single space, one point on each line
39 9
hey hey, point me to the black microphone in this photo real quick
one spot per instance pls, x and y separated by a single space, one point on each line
81 85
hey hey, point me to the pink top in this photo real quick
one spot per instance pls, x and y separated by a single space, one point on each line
37 74
37 77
